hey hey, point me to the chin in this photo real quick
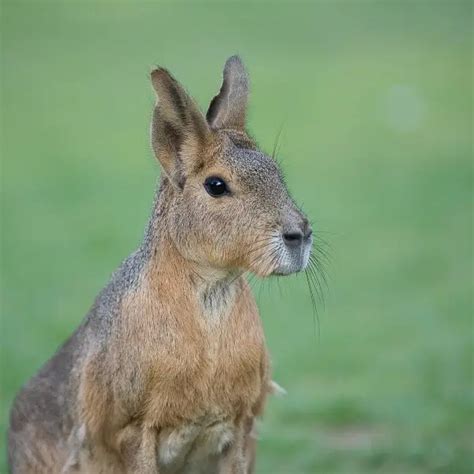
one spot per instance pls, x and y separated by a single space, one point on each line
291 265
288 270
289 262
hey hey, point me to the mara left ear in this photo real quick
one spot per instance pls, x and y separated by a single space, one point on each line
178 130
228 109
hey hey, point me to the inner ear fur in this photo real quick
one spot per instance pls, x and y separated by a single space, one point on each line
228 109
177 124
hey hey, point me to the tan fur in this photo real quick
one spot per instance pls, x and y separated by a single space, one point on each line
169 370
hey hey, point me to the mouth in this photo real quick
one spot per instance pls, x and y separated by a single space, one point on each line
295 265
287 260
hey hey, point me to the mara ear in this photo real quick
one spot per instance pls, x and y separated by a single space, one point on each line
228 108
178 128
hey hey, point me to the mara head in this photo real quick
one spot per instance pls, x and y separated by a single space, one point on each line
228 207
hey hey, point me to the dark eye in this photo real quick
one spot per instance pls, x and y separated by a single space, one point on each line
215 186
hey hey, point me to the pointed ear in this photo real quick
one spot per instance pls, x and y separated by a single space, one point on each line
228 108
177 124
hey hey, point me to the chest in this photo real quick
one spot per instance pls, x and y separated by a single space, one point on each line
217 374
199 357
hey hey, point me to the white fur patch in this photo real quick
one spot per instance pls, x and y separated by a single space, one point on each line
217 297
289 260
175 445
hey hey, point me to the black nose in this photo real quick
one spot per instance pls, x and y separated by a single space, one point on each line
293 239
295 236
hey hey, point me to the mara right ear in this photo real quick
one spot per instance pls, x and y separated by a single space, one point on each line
177 123
228 108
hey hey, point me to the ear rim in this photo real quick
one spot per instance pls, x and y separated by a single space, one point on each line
228 109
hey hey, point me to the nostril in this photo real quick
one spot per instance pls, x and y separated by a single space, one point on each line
307 231
293 238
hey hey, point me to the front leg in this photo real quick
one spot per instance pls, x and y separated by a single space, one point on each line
251 449
239 458
146 457
140 457
233 460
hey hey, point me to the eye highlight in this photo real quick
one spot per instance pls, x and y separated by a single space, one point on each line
215 186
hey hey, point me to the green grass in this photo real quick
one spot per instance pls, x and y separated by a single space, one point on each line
375 99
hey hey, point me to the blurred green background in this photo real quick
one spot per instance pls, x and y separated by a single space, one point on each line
374 100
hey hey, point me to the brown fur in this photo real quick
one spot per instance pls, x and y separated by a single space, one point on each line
169 370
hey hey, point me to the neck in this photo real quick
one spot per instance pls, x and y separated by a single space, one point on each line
172 274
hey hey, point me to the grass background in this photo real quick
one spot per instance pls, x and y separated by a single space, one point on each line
375 100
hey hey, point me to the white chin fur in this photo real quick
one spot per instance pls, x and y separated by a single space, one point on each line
292 260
